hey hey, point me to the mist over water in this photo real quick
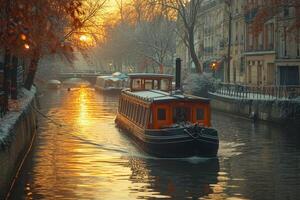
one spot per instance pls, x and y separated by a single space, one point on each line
88 157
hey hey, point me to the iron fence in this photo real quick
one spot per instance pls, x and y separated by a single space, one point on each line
258 92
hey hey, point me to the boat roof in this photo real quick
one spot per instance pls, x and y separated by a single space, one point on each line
112 78
149 75
161 96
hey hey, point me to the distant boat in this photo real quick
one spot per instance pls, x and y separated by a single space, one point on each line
76 83
53 84
111 84
166 123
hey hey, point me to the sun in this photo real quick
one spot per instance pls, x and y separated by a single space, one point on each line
83 38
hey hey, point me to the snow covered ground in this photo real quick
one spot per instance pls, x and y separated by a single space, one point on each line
16 109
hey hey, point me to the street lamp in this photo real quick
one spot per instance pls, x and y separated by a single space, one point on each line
228 3
26 46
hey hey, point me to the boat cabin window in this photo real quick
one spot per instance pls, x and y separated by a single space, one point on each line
148 84
181 114
199 114
165 84
161 114
137 84
151 83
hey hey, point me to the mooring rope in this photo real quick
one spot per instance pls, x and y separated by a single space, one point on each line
76 131
197 137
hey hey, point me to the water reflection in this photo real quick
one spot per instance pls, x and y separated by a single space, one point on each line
89 158
174 178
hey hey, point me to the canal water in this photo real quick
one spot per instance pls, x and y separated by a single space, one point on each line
80 154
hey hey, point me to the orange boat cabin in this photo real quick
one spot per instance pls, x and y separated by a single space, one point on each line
150 103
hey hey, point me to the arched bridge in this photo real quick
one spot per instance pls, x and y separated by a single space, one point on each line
86 75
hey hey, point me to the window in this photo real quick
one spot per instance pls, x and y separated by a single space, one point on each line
164 84
298 43
135 113
199 114
155 85
137 84
286 12
148 84
140 116
161 114
181 114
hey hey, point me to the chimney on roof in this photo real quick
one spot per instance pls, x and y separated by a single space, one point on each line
178 74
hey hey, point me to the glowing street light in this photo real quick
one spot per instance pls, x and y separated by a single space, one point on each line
23 37
26 46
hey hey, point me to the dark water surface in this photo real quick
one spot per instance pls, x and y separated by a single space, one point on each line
89 158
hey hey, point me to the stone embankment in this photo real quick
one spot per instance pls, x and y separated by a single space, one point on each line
17 131
279 111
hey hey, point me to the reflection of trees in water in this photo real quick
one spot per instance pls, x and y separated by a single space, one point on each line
178 179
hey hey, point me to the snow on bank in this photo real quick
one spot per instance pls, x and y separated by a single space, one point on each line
11 118
253 96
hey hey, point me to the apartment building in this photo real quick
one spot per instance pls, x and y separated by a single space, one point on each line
212 34
270 56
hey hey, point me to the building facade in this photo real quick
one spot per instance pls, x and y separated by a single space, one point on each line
270 56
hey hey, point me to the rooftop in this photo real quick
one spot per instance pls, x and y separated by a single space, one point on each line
157 95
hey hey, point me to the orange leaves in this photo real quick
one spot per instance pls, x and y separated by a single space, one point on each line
268 9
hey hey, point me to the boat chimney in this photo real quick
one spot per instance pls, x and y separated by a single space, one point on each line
178 74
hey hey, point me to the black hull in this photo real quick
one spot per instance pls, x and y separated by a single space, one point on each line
172 143
181 149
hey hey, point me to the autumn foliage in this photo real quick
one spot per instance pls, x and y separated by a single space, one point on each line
260 11
34 28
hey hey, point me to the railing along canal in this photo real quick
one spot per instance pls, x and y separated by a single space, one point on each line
258 92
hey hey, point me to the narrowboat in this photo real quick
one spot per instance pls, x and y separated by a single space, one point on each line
166 123
53 84
111 84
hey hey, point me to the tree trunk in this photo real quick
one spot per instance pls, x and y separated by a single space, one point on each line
6 81
32 70
193 52
14 78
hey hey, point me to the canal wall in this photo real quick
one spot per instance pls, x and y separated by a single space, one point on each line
279 111
17 131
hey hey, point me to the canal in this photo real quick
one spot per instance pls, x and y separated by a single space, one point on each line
80 154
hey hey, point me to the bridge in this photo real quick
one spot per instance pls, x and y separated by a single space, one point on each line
86 75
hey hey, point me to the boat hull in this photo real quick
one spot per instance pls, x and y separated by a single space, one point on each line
109 90
172 142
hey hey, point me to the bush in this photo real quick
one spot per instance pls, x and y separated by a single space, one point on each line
200 84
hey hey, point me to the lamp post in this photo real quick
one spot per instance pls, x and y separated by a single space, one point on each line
228 3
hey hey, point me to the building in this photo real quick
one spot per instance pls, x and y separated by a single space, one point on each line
272 54
237 57
212 34
287 61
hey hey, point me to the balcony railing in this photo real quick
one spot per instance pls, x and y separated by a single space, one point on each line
259 92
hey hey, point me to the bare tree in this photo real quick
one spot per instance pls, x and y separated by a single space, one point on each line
187 15
143 35
156 41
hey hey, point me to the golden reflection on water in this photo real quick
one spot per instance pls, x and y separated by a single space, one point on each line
84 118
